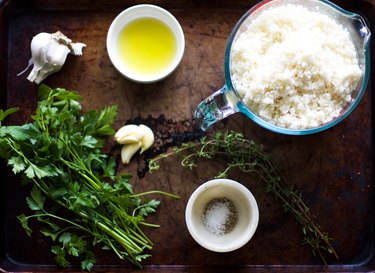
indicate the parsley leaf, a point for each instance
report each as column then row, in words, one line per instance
column 36, row 200
column 17, row 163
column 4, row 114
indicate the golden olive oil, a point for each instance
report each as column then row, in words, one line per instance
column 147, row 46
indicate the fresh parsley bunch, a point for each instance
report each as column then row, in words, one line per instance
column 76, row 195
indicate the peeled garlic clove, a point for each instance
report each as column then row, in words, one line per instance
column 129, row 140
column 148, row 138
column 129, row 134
column 128, row 150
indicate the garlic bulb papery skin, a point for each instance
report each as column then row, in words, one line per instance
column 49, row 53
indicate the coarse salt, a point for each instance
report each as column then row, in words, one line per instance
column 220, row 216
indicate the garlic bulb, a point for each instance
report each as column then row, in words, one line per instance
column 48, row 54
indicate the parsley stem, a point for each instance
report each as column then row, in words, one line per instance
column 139, row 235
column 155, row 192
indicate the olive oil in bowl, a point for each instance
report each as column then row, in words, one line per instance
column 147, row 46
column 145, row 43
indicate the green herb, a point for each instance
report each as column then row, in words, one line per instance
column 249, row 157
column 76, row 195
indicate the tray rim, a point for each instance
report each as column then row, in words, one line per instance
column 6, row 265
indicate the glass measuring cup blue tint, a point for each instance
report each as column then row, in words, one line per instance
column 226, row 101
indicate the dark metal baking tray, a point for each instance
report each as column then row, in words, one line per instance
column 334, row 169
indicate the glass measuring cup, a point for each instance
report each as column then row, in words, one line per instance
column 226, row 101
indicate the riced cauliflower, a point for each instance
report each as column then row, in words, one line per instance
column 295, row 68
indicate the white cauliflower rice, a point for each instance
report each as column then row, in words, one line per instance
column 295, row 68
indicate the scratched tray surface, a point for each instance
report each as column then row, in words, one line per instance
column 333, row 169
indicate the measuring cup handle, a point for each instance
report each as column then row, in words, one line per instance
column 216, row 107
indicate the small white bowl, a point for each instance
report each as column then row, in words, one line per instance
column 137, row 12
column 247, row 215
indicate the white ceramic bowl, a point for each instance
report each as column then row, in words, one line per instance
column 138, row 12
column 247, row 215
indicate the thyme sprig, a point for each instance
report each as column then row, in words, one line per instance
column 249, row 157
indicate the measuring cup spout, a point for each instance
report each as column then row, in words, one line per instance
column 216, row 107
